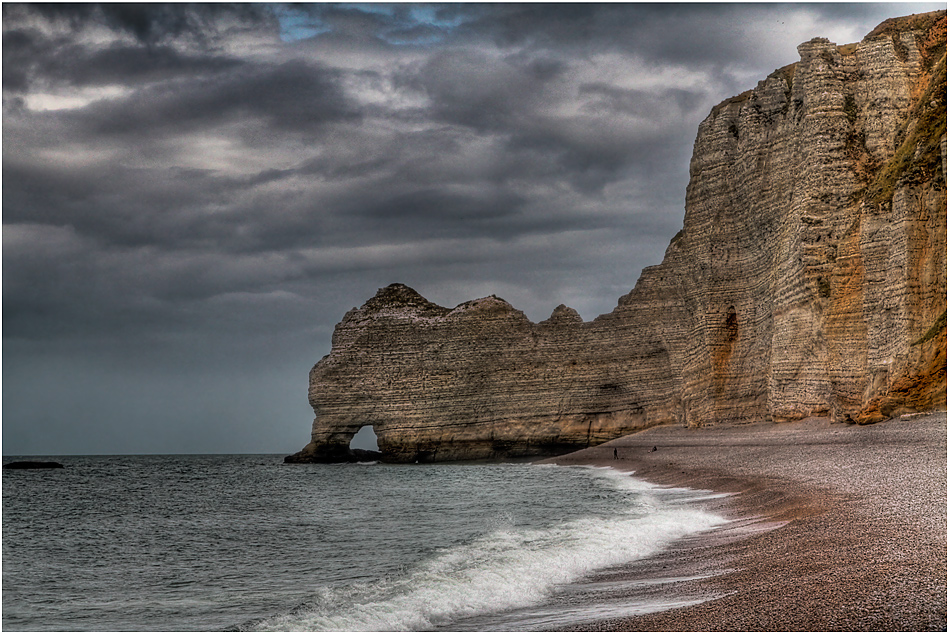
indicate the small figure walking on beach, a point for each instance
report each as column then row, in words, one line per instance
column 615, row 453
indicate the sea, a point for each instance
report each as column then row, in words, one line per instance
column 248, row 543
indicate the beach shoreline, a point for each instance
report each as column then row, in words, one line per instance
column 832, row 526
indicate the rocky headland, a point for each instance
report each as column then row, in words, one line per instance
column 809, row 279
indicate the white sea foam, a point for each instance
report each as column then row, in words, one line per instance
column 507, row 568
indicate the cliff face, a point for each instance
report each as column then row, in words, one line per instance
column 809, row 279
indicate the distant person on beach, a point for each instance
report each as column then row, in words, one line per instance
column 615, row 453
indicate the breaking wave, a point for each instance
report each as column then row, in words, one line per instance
column 507, row 567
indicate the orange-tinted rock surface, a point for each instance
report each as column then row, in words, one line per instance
column 809, row 279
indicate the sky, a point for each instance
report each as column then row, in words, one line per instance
column 194, row 195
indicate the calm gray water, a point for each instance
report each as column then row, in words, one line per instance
column 189, row 542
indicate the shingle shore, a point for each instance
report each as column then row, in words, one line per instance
column 856, row 519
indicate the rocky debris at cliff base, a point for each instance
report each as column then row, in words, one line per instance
column 916, row 415
column 33, row 465
column 365, row 456
column 355, row 455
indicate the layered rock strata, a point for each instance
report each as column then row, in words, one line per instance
column 809, row 278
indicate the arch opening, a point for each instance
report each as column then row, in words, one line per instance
column 365, row 439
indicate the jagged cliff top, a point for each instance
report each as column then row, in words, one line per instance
column 913, row 22
column 933, row 25
column 400, row 296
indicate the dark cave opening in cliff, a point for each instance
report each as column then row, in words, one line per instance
column 364, row 439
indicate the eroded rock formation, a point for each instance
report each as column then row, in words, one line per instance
column 809, row 279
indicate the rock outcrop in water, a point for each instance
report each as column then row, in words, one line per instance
column 809, row 279
column 33, row 465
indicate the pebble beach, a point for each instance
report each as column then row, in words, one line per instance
column 833, row 526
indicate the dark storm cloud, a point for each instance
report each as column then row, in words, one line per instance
column 639, row 102
column 140, row 207
column 19, row 47
column 31, row 49
column 432, row 205
column 659, row 32
column 149, row 23
column 294, row 95
column 130, row 65
column 210, row 187
column 28, row 54
column 479, row 91
column 700, row 34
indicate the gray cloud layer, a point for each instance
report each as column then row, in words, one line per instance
column 195, row 194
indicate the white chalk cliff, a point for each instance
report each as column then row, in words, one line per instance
column 810, row 278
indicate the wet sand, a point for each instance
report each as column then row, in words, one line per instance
column 833, row 527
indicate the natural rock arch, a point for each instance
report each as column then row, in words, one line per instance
column 335, row 446
column 365, row 436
